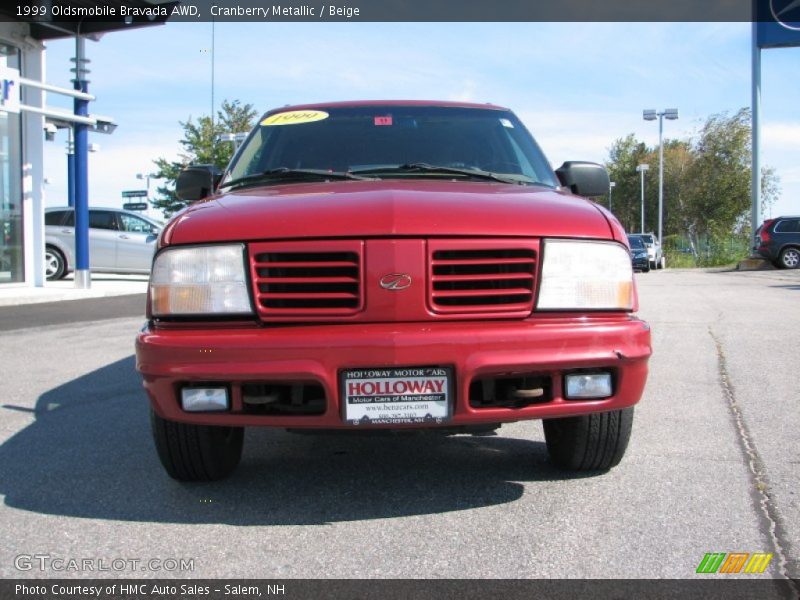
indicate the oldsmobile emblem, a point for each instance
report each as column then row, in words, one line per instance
column 395, row 281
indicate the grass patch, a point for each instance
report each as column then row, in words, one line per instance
column 711, row 252
column 680, row 260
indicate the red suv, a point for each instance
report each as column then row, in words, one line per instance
column 391, row 265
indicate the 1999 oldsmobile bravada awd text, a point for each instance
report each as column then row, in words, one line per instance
column 391, row 265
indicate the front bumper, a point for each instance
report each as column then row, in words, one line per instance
column 169, row 359
column 640, row 262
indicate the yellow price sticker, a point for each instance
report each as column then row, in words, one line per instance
column 295, row 117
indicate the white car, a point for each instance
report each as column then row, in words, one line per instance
column 120, row 241
column 654, row 251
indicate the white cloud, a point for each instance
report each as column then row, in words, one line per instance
column 781, row 136
column 791, row 176
column 588, row 135
column 111, row 170
column 466, row 92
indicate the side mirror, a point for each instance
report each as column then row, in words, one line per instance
column 584, row 178
column 196, row 182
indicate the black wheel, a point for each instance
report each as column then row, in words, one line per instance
column 790, row 258
column 196, row 452
column 646, row 270
column 593, row 442
column 55, row 266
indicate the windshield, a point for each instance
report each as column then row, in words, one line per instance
column 648, row 239
column 636, row 243
column 384, row 141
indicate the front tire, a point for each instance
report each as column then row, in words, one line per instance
column 196, row 452
column 594, row 442
column 790, row 258
column 55, row 266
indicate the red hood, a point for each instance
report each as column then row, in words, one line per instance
column 388, row 208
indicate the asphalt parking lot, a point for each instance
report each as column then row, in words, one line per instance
column 712, row 465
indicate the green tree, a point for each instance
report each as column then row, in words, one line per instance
column 678, row 160
column 719, row 177
column 201, row 145
column 624, row 155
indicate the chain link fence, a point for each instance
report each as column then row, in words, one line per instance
column 710, row 251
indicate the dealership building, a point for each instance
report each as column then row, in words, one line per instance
column 25, row 120
column 21, row 148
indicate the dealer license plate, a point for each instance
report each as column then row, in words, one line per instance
column 396, row 396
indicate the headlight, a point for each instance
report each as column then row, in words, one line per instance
column 585, row 275
column 199, row 280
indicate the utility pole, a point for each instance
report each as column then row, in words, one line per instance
column 643, row 168
column 755, row 182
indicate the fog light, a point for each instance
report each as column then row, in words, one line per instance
column 588, row 385
column 204, row 399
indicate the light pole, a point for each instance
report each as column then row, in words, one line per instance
column 650, row 115
column 145, row 176
column 611, row 187
column 643, row 168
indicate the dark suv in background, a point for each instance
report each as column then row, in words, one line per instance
column 778, row 240
column 639, row 254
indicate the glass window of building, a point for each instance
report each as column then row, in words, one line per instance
column 11, row 243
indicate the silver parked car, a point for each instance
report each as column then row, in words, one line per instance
column 120, row 241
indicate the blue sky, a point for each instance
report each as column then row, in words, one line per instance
column 577, row 87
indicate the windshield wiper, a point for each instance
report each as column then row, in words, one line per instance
column 282, row 173
column 421, row 167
